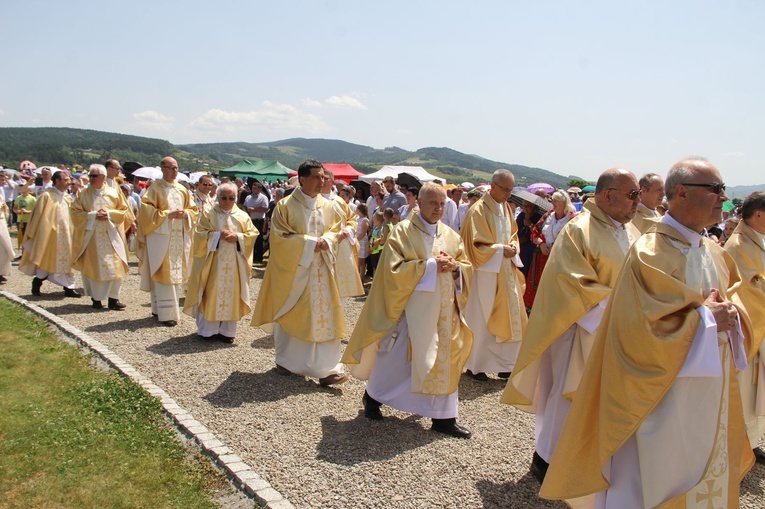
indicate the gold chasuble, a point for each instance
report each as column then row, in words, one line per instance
column 579, row 274
column 164, row 244
column 299, row 289
column 48, row 236
column 747, row 248
column 687, row 432
column 346, row 269
column 644, row 218
column 220, row 280
column 99, row 246
column 482, row 230
column 439, row 339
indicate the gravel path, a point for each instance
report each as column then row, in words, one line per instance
column 313, row 444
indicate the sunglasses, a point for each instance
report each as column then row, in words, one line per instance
column 226, row 198
column 94, row 175
column 632, row 195
column 715, row 187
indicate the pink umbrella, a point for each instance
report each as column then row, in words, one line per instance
column 27, row 165
column 540, row 185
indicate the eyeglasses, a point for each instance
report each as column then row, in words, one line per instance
column 632, row 195
column 715, row 187
column 226, row 198
column 205, row 184
column 505, row 189
column 94, row 175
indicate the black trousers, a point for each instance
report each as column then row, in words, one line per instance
column 257, row 254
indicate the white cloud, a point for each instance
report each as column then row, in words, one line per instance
column 154, row 120
column 272, row 116
column 311, row 103
column 345, row 101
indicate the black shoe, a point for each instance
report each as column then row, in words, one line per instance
column 97, row 304
column 504, row 375
column 371, row 408
column 155, row 315
column 169, row 323
column 116, row 305
column 69, row 292
column 539, row 467
column 224, row 338
column 3, row 280
column 450, row 427
column 36, row 285
column 759, row 455
column 481, row 377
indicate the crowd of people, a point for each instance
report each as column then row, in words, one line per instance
column 631, row 324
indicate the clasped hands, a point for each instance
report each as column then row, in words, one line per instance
column 445, row 263
column 509, row 250
column 228, row 236
column 724, row 312
column 321, row 245
column 177, row 214
column 102, row 215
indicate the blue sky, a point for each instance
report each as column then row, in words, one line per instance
column 573, row 87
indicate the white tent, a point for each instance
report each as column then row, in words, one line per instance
column 393, row 171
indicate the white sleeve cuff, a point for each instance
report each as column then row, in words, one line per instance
column 428, row 280
column 591, row 321
column 704, row 356
column 308, row 249
column 495, row 262
column 91, row 221
column 212, row 244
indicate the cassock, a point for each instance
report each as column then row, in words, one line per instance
column 99, row 247
column 218, row 293
column 299, row 301
column 747, row 248
column 165, row 246
column 657, row 419
column 495, row 311
column 644, row 218
column 346, row 268
column 203, row 201
column 6, row 247
column 48, row 240
column 573, row 292
column 410, row 340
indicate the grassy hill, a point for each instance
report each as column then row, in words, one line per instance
column 60, row 145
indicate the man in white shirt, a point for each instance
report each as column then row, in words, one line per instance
column 256, row 205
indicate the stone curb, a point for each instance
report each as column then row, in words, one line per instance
column 239, row 472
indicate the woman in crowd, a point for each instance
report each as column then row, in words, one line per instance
column 543, row 235
column 362, row 236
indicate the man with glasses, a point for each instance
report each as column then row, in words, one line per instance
column 573, row 292
column 202, row 196
column 652, row 189
column 100, row 216
column 168, row 215
column 657, row 418
column 299, row 301
column 113, row 170
column 495, row 311
column 47, row 239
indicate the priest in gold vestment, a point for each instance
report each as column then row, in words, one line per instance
column 218, row 294
column 167, row 217
column 6, row 247
column 100, row 215
column 652, row 189
column 299, row 301
column 573, row 292
column 495, row 311
column 47, row 239
column 747, row 247
column 410, row 341
column 201, row 194
column 657, row 418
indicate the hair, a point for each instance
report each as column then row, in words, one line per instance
column 646, row 181
column 59, row 175
column 278, row 192
column 345, row 190
column 388, row 213
column 606, row 180
column 564, row 197
column 328, row 174
column 500, row 174
column 362, row 207
column 205, row 177
column 680, row 173
column 429, row 187
column 227, row 186
column 378, row 216
column 753, row 203
column 110, row 163
column 304, row 170
column 97, row 168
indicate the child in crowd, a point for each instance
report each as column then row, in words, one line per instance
column 377, row 239
column 23, row 206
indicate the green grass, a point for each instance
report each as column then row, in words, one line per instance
column 73, row 436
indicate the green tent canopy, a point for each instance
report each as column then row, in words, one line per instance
column 728, row 206
column 260, row 169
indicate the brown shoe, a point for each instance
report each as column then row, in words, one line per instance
column 333, row 379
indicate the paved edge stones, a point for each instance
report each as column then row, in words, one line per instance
column 239, row 472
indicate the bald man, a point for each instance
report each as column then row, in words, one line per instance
column 573, row 292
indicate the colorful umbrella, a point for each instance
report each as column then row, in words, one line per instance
column 533, row 188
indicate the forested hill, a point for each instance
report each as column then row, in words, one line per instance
column 61, row 145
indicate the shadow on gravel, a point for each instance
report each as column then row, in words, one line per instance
column 751, row 482
column 240, row 388
column 72, row 307
column 263, row 343
column 520, row 494
column 472, row 389
column 188, row 344
column 351, row 442
column 131, row 324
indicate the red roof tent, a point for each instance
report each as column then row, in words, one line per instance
column 342, row 171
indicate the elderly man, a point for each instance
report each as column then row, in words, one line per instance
column 113, row 170
column 100, row 216
column 652, row 187
column 201, row 194
column 167, row 217
column 747, row 248
column 256, row 205
column 219, row 288
column 394, row 199
column 47, row 239
column 299, row 301
column 410, row 341
column 495, row 312
column 573, row 292
column 657, row 418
